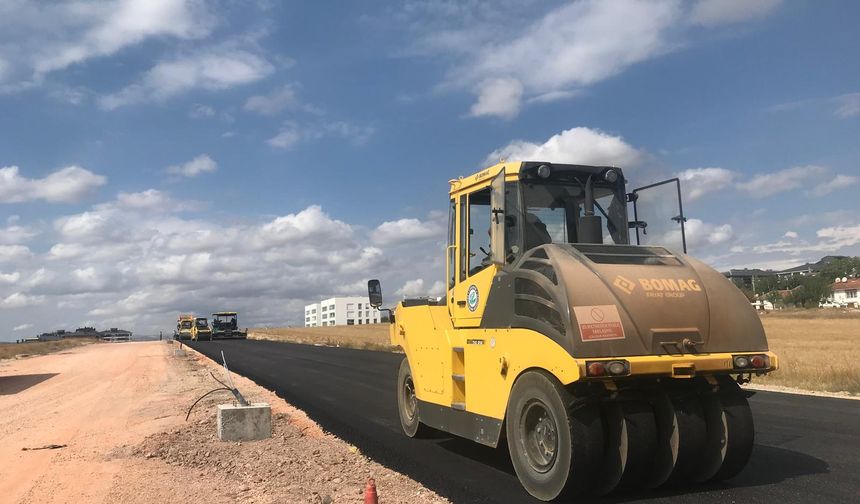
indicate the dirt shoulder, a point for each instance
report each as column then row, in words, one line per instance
column 363, row 337
column 120, row 412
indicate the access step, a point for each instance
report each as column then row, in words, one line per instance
column 459, row 406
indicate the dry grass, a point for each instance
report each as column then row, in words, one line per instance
column 9, row 351
column 365, row 337
column 818, row 349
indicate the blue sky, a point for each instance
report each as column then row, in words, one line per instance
column 172, row 155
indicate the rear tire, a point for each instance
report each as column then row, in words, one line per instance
column 407, row 404
column 641, row 434
column 740, row 433
column 554, row 444
column 692, row 437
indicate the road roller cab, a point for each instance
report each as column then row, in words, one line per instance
column 184, row 327
column 201, row 330
column 607, row 356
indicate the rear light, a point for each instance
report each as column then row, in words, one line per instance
column 751, row 361
column 595, row 369
column 758, row 361
column 607, row 368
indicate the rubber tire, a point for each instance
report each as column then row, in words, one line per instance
column 411, row 427
column 740, row 434
column 692, row 438
column 614, row 453
column 641, row 431
column 580, row 438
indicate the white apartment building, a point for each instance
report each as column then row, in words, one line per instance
column 341, row 311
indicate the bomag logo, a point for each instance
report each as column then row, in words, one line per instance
column 658, row 287
column 669, row 284
column 624, row 284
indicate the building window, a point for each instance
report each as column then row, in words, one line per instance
column 851, row 293
column 359, row 321
column 350, row 321
column 359, row 306
column 350, row 306
column 375, row 321
column 367, row 321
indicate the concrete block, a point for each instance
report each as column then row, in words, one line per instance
column 244, row 423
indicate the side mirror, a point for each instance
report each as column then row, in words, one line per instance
column 374, row 293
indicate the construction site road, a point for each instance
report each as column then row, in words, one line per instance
column 807, row 448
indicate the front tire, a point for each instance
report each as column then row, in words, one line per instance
column 553, row 442
column 407, row 404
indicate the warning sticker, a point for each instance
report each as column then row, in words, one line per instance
column 599, row 323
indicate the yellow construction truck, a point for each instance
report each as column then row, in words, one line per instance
column 606, row 356
column 184, row 327
column 201, row 329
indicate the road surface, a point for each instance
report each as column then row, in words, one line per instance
column 807, row 448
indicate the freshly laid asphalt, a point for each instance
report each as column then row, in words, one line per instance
column 807, row 448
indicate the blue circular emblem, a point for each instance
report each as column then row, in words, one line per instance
column 472, row 298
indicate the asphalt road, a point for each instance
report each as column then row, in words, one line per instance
column 807, row 448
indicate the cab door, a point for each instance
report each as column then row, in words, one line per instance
column 480, row 249
column 659, row 215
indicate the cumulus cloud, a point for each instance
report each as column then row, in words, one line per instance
column 67, row 185
column 696, row 182
column 10, row 278
column 498, row 97
column 37, row 38
column 719, row 12
column 834, row 184
column 14, row 253
column 200, row 164
column 15, row 233
column 791, row 235
column 576, row 145
column 211, row 69
column 408, row 230
column 414, row 288
column 768, row 184
column 19, row 300
column 200, row 111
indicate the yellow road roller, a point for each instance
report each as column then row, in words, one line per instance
column 582, row 335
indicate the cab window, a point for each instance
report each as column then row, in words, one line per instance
column 479, row 230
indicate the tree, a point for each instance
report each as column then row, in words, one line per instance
column 848, row 267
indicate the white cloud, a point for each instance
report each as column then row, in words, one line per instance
column 719, row 12
column 19, row 300
column 576, row 145
column 274, row 102
column 150, row 199
column 834, row 184
column 212, row 69
column 408, row 230
column 46, row 37
column 14, row 253
column 701, row 234
column 21, row 327
column 10, row 278
column 200, row 164
column 499, row 97
column 791, row 235
column 768, row 184
column 848, row 105
column 292, row 133
column 200, row 111
column 14, row 233
column 67, row 185
column 696, row 182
